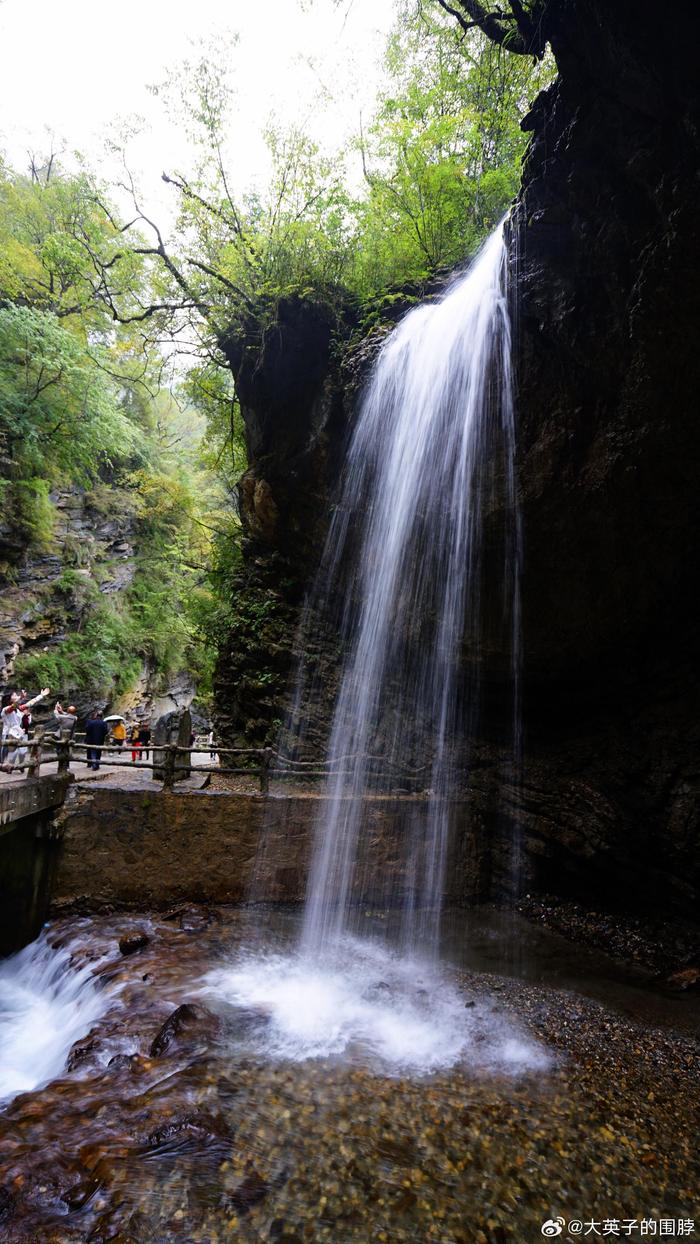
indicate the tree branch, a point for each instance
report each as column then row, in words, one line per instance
column 159, row 251
column 42, row 385
column 219, row 276
column 518, row 31
column 232, row 220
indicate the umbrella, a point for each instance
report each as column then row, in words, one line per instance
column 114, row 717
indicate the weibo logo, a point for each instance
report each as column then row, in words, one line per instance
column 553, row 1226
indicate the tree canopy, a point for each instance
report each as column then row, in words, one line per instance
column 112, row 372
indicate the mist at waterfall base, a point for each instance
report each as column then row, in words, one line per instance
column 433, row 442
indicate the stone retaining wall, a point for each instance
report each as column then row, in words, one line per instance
column 136, row 849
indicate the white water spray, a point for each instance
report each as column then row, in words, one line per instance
column 46, row 1004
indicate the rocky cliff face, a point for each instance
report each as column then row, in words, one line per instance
column 295, row 412
column 49, row 593
column 38, row 603
column 605, row 245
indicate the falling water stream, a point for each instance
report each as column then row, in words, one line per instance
column 433, row 445
column 438, row 405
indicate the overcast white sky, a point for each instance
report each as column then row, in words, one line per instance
column 78, row 66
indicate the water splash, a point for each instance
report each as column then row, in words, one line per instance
column 367, row 1004
column 46, row 1004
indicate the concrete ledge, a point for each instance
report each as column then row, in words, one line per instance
column 28, row 797
column 137, row 849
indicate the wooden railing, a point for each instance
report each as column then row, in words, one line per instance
column 169, row 760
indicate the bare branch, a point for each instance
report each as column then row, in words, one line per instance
column 219, row 276
column 456, row 14
column 42, row 384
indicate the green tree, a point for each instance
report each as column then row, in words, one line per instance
column 60, row 414
column 82, row 404
column 442, row 156
column 51, row 226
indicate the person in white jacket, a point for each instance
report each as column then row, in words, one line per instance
column 13, row 731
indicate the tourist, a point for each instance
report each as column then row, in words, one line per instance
column 13, row 732
column 66, row 720
column 145, row 739
column 96, row 731
column 21, row 752
column 119, row 732
column 135, row 744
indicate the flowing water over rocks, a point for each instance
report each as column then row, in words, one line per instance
column 45, row 1005
column 181, row 1116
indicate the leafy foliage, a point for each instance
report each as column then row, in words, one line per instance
column 59, row 411
column 88, row 396
column 442, row 155
column 80, row 406
column 440, row 161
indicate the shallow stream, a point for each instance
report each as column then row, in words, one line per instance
column 201, row 1094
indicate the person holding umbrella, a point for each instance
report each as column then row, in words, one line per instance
column 118, row 730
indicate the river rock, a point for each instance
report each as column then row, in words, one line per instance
column 84, row 1053
column 132, row 942
column 186, row 1024
column 79, row 1194
column 5, row 1205
column 193, row 1130
column 250, row 1192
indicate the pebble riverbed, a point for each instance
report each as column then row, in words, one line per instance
column 169, row 1125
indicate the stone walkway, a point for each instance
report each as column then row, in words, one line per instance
column 126, row 776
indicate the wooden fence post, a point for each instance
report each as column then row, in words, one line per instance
column 265, row 771
column 34, row 764
column 63, row 755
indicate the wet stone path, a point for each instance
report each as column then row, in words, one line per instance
column 169, row 1126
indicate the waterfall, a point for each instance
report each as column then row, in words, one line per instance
column 434, row 442
column 418, row 586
